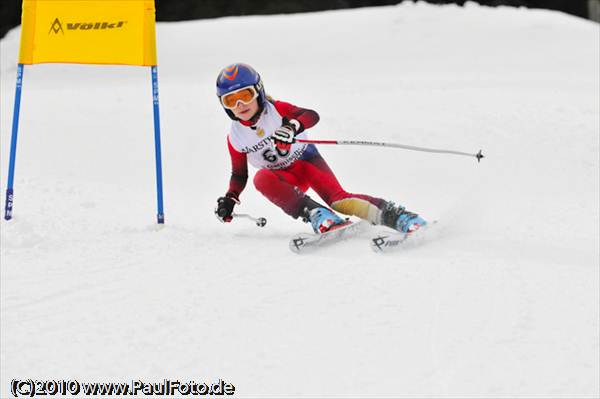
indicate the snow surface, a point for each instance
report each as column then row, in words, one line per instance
column 504, row 301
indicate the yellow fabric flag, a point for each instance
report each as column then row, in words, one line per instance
column 88, row 32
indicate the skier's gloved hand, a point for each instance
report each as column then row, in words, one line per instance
column 225, row 207
column 284, row 136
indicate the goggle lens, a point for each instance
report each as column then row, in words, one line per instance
column 245, row 95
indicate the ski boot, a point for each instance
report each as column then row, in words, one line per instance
column 323, row 219
column 398, row 218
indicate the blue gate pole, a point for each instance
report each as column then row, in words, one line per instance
column 8, row 206
column 159, row 190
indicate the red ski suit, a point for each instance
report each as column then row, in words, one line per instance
column 286, row 187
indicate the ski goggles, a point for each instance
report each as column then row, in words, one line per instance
column 246, row 95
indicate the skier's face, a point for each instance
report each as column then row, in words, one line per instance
column 245, row 112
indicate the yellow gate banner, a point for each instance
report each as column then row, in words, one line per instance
column 88, row 32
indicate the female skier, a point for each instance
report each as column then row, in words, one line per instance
column 264, row 133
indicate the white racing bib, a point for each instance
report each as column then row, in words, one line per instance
column 256, row 143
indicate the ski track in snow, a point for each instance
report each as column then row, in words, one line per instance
column 502, row 299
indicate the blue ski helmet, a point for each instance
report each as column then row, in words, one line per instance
column 235, row 77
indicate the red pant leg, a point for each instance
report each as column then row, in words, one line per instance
column 285, row 188
column 322, row 179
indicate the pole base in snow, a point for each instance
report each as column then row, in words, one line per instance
column 9, row 204
column 160, row 218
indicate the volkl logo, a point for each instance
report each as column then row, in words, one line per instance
column 95, row 25
column 58, row 27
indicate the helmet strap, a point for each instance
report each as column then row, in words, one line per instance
column 256, row 116
column 231, row 114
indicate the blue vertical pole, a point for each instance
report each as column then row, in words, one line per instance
column 159, row 191
column 8, row 206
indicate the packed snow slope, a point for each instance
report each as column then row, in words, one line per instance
column 501, row 300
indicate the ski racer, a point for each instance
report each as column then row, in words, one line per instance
column 264, row 133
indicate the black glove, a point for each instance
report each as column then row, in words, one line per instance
column 284, row 136
column 225, row 207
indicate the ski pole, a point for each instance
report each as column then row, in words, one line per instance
column 478, row 155
column 260, row 222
